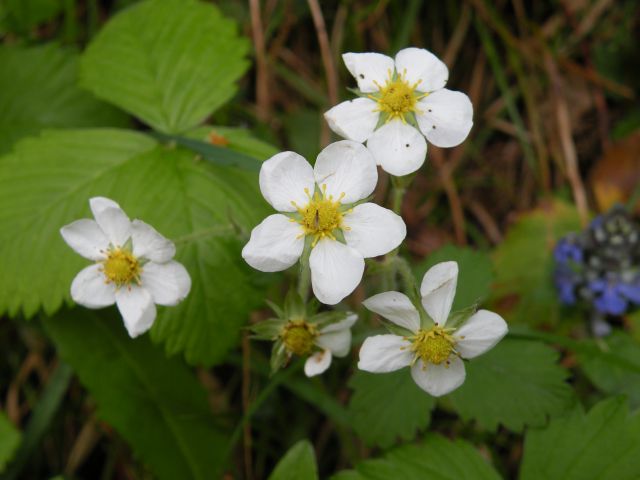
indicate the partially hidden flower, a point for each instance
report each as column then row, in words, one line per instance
column 321, row 213
column 434, row 349
column 133, row 265
column 315, row 338
column 401, row 102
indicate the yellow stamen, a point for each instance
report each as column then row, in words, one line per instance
column 298, row 337
column 121, row 267
column 397, row 97
column 321, row 216
column 433, row 346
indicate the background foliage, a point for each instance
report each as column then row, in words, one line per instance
column 169, row 106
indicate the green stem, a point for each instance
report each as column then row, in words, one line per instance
column 408, row 279
column 276, row 380
column 397, row 195
column 41, row 419
column 304, row 279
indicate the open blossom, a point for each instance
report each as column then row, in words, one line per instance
column 319, row 212
column 434, row 352
column 303, row 338
column 401, row 100
column 133, row 265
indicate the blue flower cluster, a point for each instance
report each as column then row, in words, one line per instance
column 601, row 265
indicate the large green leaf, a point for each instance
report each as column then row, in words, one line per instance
column 387, row 407
column 436, row 458
column 602, row 444
column 170, row 63
column 38, row 90
column 299, row 463
column 9, row 441
column 155, row 403
column 517, row 383
column 617, row 370
column 47, row 182
column 524, row 263
column 474, row 279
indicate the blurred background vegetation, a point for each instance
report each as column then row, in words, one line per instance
column 556, row 140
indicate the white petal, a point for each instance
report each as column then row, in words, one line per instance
column 384, row 353
column 438, row 290
column 422, row 66
column 341, row 325
column 354, row 119
column 446, row 117
column 438, row 380
column 115, row 224
column 481, row 332
column 284, row 178
column 339, row 342
column 369, row 69
column 98, row 204
column 274, row 245
column 395, row 307
column 398, row 148
column 86, row 238
column 346, row 167
column 90, row 288
column 317, row 363
column 137, row 309
column 336, row 270
column 150, row 244
column 374, row 230
column 169, row 283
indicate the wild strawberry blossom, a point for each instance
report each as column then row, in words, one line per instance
column 133, row 266
column 400, row 101
column 320, row 211
column 433, row 350
column 319, row 344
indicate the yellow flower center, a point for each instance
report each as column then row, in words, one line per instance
column 298, row 337
column 321, row 216
column 121, row 267
column 434, row 345
column 397, row 97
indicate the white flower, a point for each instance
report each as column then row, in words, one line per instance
column 318, row 206
column 133, row 265
column 303, row 338
column 407, row 92
column 434, row 353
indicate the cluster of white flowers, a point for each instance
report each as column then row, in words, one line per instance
column 325, row 222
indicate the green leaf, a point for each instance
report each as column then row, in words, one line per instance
column 9, row 441
column 516, row 383
column 617, row 372
column 386, row 407
column 299, row 463
column 46, row 184
column 155, row 403
column 170, row 63
column 524, row 263
column 436, row 458
column 38, row 90
column 601, row 444
column 475, row 273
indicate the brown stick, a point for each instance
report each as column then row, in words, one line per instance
column 327, row 60
column 263, row 100
column 566, row 142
